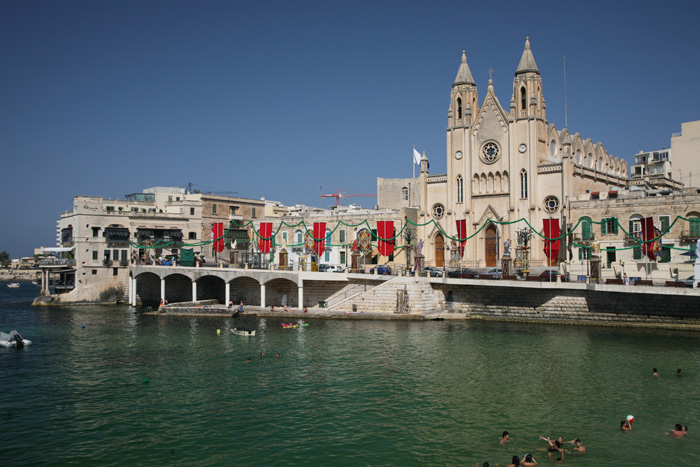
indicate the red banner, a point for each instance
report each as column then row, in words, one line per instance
column 462, row 233
column 648, row 234
column 319, row 237
column 551, row 230
column 265, row 234
column 385, row 229
column 217, row 231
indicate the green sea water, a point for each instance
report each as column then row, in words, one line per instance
column 135, row 390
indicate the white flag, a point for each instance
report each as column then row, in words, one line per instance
column 416, row 156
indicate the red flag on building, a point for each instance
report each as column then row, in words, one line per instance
column 462, row 233
column 319, row 237
column 648, row 234
column 551, row 230
column 218, row 233
column 265, row 234
column 385, row 229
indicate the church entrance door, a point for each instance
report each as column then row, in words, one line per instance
column 439, row 251
column 491, row 246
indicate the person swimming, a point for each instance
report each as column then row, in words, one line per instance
column 504, row 438
column 579, row 447
column 678, row 432
column 515, row 462
column 625, row 425
column 678, row 373
column 656, row 372
column 528, row 461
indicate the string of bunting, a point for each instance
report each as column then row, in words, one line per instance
column 256, row 233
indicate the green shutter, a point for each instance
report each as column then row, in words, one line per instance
column 665, row 255
column 585, row 229
column 614, row 220
column 637, row 253
column 603, row 226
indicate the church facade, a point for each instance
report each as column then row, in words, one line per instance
column 506, row 164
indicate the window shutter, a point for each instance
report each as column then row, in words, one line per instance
column 603, row 227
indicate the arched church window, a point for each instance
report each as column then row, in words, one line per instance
column 459, row 107
column 523, row 184
column 523, row 98
column 460, row 189
column 404, row 193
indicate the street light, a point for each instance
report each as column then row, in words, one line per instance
column 446, row 249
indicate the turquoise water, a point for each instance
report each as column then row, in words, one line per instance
column 135, row 390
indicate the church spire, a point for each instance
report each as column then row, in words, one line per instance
column 527, row 61
column 464, row 75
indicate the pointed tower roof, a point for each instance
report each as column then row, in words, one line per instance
column 464, row 75
column 527, row 61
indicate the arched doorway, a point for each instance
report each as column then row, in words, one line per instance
column 491, row 245
column 439, row 251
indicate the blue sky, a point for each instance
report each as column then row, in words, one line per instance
column 288, row 100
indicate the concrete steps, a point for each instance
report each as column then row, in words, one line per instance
column 400, row 294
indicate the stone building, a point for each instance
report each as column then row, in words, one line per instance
column 341, row 232
column 505, row 164
column 101, row 231
column 686, row 154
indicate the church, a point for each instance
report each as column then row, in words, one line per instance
column 503, row 164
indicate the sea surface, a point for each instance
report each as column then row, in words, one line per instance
column 108, row 386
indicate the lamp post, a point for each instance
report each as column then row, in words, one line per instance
column 447, row 250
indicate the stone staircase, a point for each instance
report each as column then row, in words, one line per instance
column 401, row 295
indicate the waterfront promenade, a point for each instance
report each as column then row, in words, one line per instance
column 201, row 291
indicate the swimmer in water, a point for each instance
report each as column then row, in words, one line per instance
column 679, row 432
column 656, row 373
column 625, row 425
column 528, row 461
column 579, row 447
column 505, row 438
column 485, row 464
column 556, row 448
column 678, row 373
column 278, row 355
column 262, row 354
column 249, row 360
column 559, row 438
column 515, row 462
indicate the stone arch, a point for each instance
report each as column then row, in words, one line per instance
column 506, row 186
column 148, row 288
column 439, row 242
column 476, row 184
column 490, row 187
column 498, row 183
column 482, row 186
column 211, row 287
column 246, row 289
column 276, row 289
column 178, row 288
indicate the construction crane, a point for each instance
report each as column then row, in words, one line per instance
column 338, row 195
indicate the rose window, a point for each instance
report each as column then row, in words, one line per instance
column 490, row 152
column 551, row 204
column 438, row 211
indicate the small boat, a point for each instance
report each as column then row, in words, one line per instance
column 13, row 285
column 13, row 339
column 243, row 331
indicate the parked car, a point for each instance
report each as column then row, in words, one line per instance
column 495, row 273
column 462, row 273
column 334, row 268
column 550, row 275
column 689, row 281
column 381, row 269
column 432, row 271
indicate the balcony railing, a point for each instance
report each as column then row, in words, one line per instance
column 693, row 234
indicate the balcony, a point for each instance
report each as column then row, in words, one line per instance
column 107, row 263
column 117, row 235
column 584, row 238
column 691, row 235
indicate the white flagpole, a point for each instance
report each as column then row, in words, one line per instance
column 413, row 163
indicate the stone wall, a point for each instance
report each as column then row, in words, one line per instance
column 581, row 306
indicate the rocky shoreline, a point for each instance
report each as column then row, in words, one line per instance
column 19, row 275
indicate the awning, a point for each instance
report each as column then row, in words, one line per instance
column 551, row 230
column 56, row 249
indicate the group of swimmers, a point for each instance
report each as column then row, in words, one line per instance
column 656, row 373
column 556, row 447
